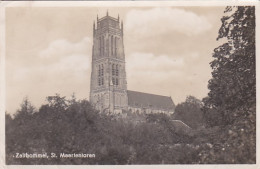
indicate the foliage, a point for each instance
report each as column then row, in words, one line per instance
column 190, row 112
column 79, row 128
column 233, row 83
column 231, row 101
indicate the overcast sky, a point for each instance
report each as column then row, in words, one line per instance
column 167, row 50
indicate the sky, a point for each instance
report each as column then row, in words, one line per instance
column 167, row 50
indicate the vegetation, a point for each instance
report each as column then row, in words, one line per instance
column 73, row 126
column 233, row 83
column 190, row 112
column 231, row 102
column 223, row 125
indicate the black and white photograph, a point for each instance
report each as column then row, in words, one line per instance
column 130, row 85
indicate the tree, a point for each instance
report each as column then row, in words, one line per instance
column 26, row 108
column 190, row 112
column 233, row 83
column 58, row 103
column 231, row 101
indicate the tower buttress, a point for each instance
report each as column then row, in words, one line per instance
column 94, row 27
column 122, row 27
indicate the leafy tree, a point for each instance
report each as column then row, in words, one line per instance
column 190, row 112
column 57, row 102
column 26, row 108
column 233, row 83
column 231, row 101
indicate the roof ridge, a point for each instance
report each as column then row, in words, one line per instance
column 148, row 93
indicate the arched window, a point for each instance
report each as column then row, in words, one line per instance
column 117, row 70
column 99, row 70
column 112, row 43
column 102, row 70
column 115, row 46
column 103, row 46
column 113, row 70
column 113, row 80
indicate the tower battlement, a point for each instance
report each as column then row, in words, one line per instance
column 107, row 23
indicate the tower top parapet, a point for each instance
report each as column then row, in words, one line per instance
column 108, row 21
column 107, row 16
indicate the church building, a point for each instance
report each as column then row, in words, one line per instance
column 108, row 86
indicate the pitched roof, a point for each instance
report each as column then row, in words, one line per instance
column 146, row 100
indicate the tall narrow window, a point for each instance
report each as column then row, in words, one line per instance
column 103, row 46
column 99, row 71
column 115, row 46
column 102, row 70
column 102, row 81
column 116, row 70
column 113, row 70
column 116, row 81
column 112, row 42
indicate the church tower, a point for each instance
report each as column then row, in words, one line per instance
column 108, row 88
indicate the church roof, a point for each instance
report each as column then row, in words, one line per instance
column 152, row 101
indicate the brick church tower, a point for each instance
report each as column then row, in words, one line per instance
column 108, row 88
